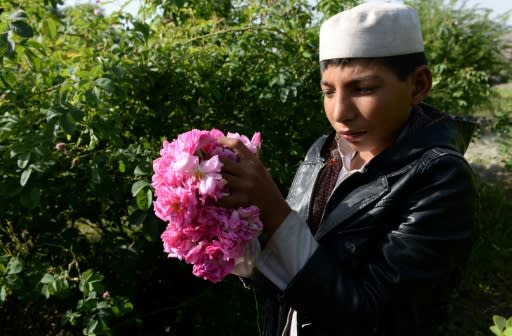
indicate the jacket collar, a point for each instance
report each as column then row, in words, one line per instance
column 426, row 128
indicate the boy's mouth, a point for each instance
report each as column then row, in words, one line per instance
column 351, row 136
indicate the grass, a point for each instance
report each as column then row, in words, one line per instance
column 486, row 289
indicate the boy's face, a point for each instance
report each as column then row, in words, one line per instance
column 366, row 104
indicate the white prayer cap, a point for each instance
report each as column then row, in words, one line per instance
column 373, row 29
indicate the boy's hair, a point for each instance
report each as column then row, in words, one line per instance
column 401, row 65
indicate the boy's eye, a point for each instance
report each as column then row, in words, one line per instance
column 365, row 90
column 328, row 93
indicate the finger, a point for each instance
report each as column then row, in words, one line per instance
column 233, row 183
column 236, row 145
column 228, row 165
column 231, row 169
column 234, row 200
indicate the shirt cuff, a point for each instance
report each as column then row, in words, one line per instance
column 244, row 265
column 287, row 251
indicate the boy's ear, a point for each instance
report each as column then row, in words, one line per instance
column 422, row 83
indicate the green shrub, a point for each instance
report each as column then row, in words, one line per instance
column 85, row 102
column 466, row 50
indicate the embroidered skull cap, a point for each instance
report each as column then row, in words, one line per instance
column 372, row 29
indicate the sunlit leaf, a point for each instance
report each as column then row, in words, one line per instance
column 51, row 28
column 140, row 171
column 104, row 83
column 8, row 77
column 121, row 166
column 144, row 199
column 23, row 160
column 3, row 293
column 25, row 175
column 138, row 186
column 14, row 266
column 496, row 331
column 34, row 60
column 47, row 278
column 499, row 321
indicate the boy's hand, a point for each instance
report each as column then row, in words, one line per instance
column 250, row 183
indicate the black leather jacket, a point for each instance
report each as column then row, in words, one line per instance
column 393, row 240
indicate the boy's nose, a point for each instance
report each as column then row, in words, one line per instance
column 343, row 109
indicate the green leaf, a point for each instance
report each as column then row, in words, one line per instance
column 84, row 279
column 91, row 326
column 8, row 77
column 21, row 28
column 93, row 141
column 140, row 171
column 25, row 175
column 34, row 60
column 138, row 186
column 499, row 321
column 72, row 317
column 23, row 160
column 51, row 28
column 35, row 45
column 102, row 305
column 496, row 330
column 6, row 45
column 14, row 266
column 104, row 83
column 121, row 306
column 142, row 27
column 45, row 291
column 3, row 293
column 121, row 166
column 47, row 278
column 508, row 332
column 144, row 199
column 90, row 284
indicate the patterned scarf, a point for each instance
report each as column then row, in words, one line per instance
column 325, row 184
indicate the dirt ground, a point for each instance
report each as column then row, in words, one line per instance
column 486, row 156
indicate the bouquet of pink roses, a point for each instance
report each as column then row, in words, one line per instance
column 188, row 184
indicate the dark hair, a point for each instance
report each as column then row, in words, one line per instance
column 402, row 65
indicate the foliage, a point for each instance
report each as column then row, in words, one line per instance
column 85, row 102
column 466, row 50
column 502, row 113
column 502, row 326
column 329, row 8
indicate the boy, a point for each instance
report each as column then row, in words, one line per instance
column 378, row 223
